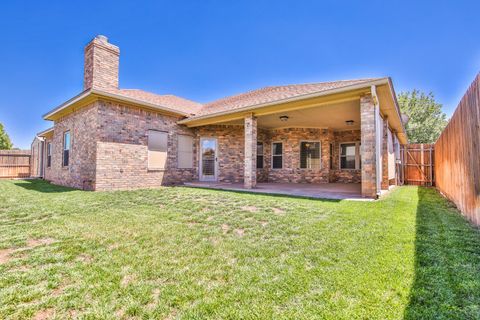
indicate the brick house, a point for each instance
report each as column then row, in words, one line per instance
column 107, row 138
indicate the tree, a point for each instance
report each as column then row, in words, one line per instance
column 5, row 142
column 426, row 118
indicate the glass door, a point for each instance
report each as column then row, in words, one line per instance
column 208, row 159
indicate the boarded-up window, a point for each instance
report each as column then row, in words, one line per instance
column 157, row 149
column 310, row 155
column 185, row 151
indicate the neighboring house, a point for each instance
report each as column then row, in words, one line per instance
column 108, row 138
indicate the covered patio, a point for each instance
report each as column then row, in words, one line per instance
column 335, row 144
column 337, row 191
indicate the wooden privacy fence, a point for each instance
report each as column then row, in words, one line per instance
column 457, row 154
column 417, row 164
column 14, row 163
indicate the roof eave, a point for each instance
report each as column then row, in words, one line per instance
column 44, row 132
column 366, row 84
column 397, row 107
column 102, row 94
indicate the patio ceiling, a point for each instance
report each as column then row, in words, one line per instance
column 332, row 116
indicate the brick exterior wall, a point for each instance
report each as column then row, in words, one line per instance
column 291, row 171
column 344, row 175
column 230, row 139
column 122, row 151
column 231, row 148
column 101, row 64
column 109, row 151
column 80, row 172
column 368, row 149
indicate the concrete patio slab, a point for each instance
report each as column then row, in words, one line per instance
column 338, row 191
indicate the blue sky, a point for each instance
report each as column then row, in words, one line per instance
column 204, row 50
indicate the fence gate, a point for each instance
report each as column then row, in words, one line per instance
column 14, row 163
column 417, row 162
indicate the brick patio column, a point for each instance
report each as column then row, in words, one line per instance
column 367, row 149
column 250, row 170
column 385, row 183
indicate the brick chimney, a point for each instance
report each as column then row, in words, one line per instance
column 101, row 64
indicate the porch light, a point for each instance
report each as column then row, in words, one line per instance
column 283, row 118
column 349, row 122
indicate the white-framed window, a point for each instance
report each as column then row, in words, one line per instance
column 350, row 156
column 157, row 149
column 49, row 154
column 259, row 155
column 66, row 149
column 310, row 155
column 277, row 155
column 185, row 151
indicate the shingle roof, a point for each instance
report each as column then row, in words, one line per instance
column 169, row 101
column 272, row 94
column 192, row 109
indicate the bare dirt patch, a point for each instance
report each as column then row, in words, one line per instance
column 58, row 290
column 23, row 268
column 85, row 258
column 127, row 279
column 155, row 297
column 250, row 208
column 44, row 314
column 32, row 243
column 225, row 228
column 278, row 211
column 172, row 315
column 112, row 247
column 239, row 232
column 5, row 255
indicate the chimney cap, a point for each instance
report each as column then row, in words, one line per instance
column 102, row 38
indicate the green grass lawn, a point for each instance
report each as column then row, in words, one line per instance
column 182, row 253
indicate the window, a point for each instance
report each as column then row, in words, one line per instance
column 185, row 151
column 277, row 155
column 66, row 148
column 310, row 155
column 49, row 154
column 349, row 156
column 331, row 156
column 157, row 149
column 259, row 155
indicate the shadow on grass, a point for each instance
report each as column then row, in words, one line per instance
column 447, row 262
column 39, row 185
column 275, row 195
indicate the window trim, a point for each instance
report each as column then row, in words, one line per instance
column 153, row 169
column 357, row 155
column 69, row 148
column 300, row 154
column 262, row 155
column 282, row 155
